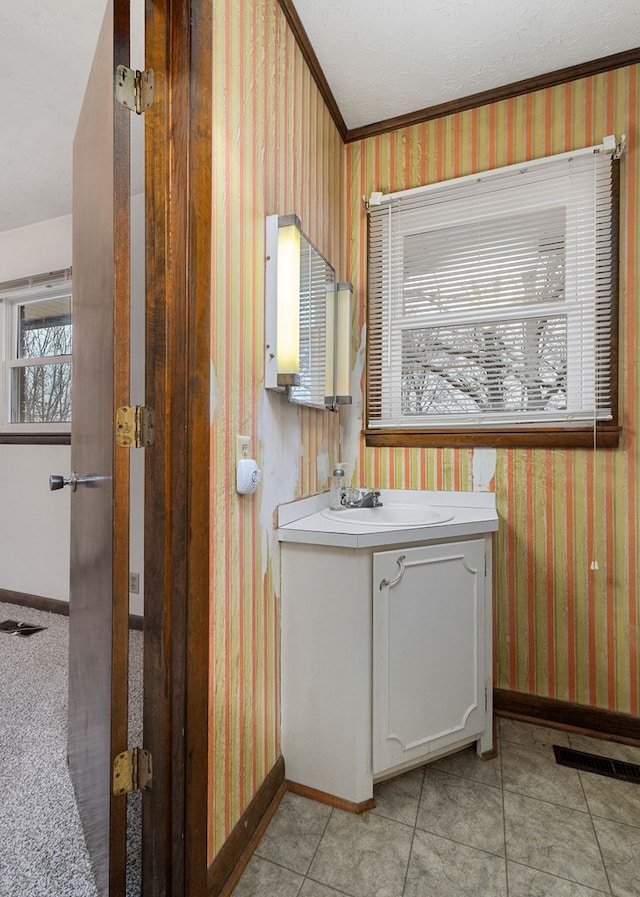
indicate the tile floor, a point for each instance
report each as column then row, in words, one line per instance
column 516, row 826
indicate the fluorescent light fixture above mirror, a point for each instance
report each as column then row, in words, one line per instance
column 338, row 340
column 307, row 320
column 282, row 311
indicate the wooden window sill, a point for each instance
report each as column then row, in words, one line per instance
column 35, row 438
column 516, row 437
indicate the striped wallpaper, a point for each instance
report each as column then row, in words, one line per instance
column 562, row 630
column 275, row 150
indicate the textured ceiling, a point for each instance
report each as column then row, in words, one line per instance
column 46, row 50
column 382, row 58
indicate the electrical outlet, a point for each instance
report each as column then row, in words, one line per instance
column 243, row 447
column 134, row 583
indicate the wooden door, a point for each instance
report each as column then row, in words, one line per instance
column 99, row 594
column 178, row 266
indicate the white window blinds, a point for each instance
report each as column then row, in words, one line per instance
column 490, row 299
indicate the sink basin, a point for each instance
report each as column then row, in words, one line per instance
column 397, row 516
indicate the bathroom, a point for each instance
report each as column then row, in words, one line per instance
column 562, row 630
column 565, row 576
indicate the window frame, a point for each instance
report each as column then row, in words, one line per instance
column 13, row 295
column 586, row 434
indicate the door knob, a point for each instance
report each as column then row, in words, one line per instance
column 58, row 482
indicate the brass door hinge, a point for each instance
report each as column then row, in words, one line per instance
column 135, row 426
column 132, row 771
column 134, row 89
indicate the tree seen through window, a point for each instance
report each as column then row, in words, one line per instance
column 41, row 387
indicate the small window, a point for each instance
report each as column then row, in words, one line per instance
column 37, row 320
column 491, row 308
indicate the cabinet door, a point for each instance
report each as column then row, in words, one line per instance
column 428, row 650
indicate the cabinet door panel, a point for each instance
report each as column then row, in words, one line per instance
column 428, row 650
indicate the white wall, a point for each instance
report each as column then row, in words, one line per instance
column 35, row 249
column 34, row 522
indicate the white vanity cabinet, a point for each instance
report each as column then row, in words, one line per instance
column 429, row 686
column 386, row 659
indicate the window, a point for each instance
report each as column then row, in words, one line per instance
column 37, row 346
column 491, row 308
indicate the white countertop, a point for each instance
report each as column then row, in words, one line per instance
column 474, row 513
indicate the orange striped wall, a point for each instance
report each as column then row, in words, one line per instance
column 562, row 630
column 275, row 150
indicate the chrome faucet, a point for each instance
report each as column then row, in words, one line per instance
column 368, row 498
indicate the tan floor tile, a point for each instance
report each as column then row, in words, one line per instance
column 398, row 798
column 462, row 810
column 294, row 832
column 526, row 882
column 264, row 879
column 603, row 748
column 620, row 845
column 553, row 839
column 612, row 798
column 363, row 855
column 442, row 868
column 533, row 771
column 528, row 734
column 313, row 889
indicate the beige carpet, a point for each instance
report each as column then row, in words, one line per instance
column 43, row 852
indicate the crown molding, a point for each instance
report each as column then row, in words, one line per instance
column 506, row 92
column 463, row 104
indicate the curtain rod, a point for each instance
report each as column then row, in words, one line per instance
column 608, row 145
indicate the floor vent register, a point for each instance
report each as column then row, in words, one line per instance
column 603, row 766
column 13, row 627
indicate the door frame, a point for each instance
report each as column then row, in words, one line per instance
column 178, row 155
